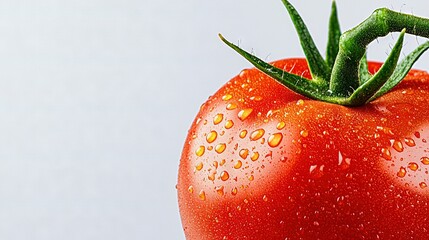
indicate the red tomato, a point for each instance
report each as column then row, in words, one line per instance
column 262, row 162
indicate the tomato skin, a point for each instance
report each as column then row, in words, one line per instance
column 316, row 171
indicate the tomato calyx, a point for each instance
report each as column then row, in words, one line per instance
column 342, row 77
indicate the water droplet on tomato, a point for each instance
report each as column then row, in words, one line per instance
column 202, row 195
column 191, row 189
column 386, row 154
column 243, row 114
column 254, row 156
column 275, row 139
column 316, row 171
column 281, row 125
column 222, row 162
column 244, row 153
column 256, row 98
column 238, row 164
column 227, row 97
column 212, row 176
column 218, row 118
column 220, row 148
column 397, row 145
column 220, row 191
column 304, row 133
column 265, row 198
column 224, row 176
column 199, row 166
column 251, row 178
column 243, row 133
column 413, row 166
column 423, row 185
column 300, row 102
column 257, row 134
column 200, row 151
column 410, row 142
column 402, row 172
column 231, row 106
column 234, row 191
column 211, row 137
column 229, row 124
column 425, row 160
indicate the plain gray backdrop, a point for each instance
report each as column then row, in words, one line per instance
column 96, row 97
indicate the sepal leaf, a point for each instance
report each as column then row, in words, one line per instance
column 334, row 34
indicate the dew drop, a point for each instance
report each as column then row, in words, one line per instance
column 191, row 189
column 413, row 166
column 410, row 142
column 257, row 134
column 220, row 190
column 251, row 178
column 254, row 156
column 424, row 160
column 265, row 198
column 218, row 119
column 224, row 176
column 211, row 137
column 212, row 176
column 275, row 139
column 227, row 97
column 244, row 153
column 423, row 185
column 200, row 151
column 281, row 125
column 202, row 195
column 397, row 145
column 199, row 166
column 243, row 134
column 256, row 98
column 238, row 164
column 222, row 162
column 220, row 148
column 229, row 124
column 234, row 191
column 300, row 102
column 303, row 133
column 231, row 106
column 386, row 154
column 402, row 172
column 243, row 114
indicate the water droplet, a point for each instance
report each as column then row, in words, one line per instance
column 413, row 166
column 386, row 154
column 212, row 176
column 410, row 142
column 210, row 148
column 344, row 163
column 191, row 189
column 423, row 185
column 397, row 145
column 243, row 133
column 246, row 201
column 229, row 124
column 219, row 190
column 238, row 164
column 224, row 176
column 215, row 164
column 218, row 118
column 231, row 106
column 227, row 97
column 200, row 151
column 243, row 114
column 417, row 134
column 222, row 162
column 275, row 139
column 316, row 171
column 199, row 166
column 257, row 134
column 281, row 125
column 254, row 156
column 211, row 137
column 251, row 178
column 256, row 98
column 265, row 198
column 234, row 191
column 244, row 153
column 425, row 160
column 402, row 172
column 303, row 133
column 202, row 195
column 220, row 148
column 300, row 102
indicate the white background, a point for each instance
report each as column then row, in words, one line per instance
column 96, row 97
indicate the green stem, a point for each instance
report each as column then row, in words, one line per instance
column 353, row 43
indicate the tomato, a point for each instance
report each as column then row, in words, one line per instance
column 341, row 152
column 275, row 165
